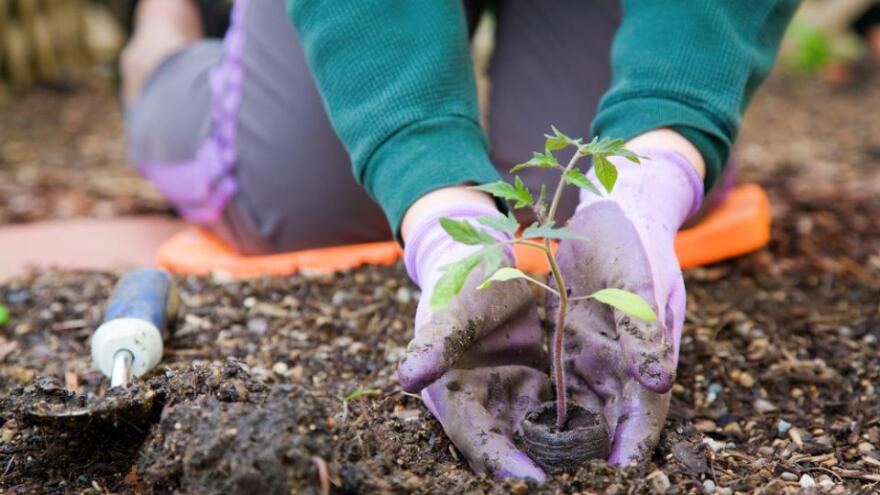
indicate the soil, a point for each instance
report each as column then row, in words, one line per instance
column 267, row 381
column 62, row 155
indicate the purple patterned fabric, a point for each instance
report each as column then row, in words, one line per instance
column 201, row 188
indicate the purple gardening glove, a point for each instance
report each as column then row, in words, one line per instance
column 615, row 363
column 477, row 362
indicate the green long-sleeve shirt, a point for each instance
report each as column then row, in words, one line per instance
column 397, row 81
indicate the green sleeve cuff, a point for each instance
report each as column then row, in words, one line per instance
column 628, row 118
column 425, row 156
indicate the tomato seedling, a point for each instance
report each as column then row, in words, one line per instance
column 539, row 236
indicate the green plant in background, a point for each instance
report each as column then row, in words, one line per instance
column 539, row 236
column 810, row 49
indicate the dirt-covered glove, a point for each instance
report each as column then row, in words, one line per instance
column 476, row 361
column 616, row 363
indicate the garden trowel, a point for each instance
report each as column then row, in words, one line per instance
column 128, row 343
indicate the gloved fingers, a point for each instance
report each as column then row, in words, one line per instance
column 650, row 348
column 451, row 332
column 647, row 352
column 637, row 420
column 496, row 454
column 519, row 341
column 482, row 409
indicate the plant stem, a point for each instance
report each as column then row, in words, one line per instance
column 557, row 195
column 559, row 332
column 558, row 337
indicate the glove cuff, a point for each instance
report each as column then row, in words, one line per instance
column 429, row 247
column 665, row 183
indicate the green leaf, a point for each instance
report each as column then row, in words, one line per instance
column 554, row 143
column 524, row 196
column 465, row 233
column 609, row 147
column 360, row 392
column 629, row 303
column 606, row 172
column 449, row 285
column 629, row 155
column 491, row 258
column 577, row 178
column 559, row 140
column 507, row 224
column 4, row 315
column 605, row 147
column 498, row 189
column 503, row 275
column 547, row 231
column 503, row 190
column 455, row 274
column 539, row 160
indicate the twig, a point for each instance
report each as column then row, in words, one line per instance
column 323, row 474
column 9, row 465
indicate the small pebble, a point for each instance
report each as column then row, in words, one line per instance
column 222, row 277
column 339, row 297
column 659, row 482
column 826, row 482
column 807, row 482
column 715, row 388
column 17, row 297
column 788, row 476
column 6, row 435
column 403, row 295
column 519, row 488
column 708, row 486
column 733, row 429
column 705, row 425
column 764, row 406
column 393, row 354
column 865, row 447
column 280, row 368
column 746, row 380
column 298, row 371
column 712, row 444
column 782, row 427
column 257, row 326
column 725, row 491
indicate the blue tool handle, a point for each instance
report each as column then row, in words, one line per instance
column 147, row 294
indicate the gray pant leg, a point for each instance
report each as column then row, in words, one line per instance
column 295, row 185
column 172, row 115
column 550, row 67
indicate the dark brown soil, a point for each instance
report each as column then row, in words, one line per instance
column 62, row 155
column 777, row 383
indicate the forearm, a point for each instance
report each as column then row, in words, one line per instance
column 690, row 66
column 398, row 85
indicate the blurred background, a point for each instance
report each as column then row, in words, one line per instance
column 62, row 144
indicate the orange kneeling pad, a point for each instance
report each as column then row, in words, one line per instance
column 739, row 225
